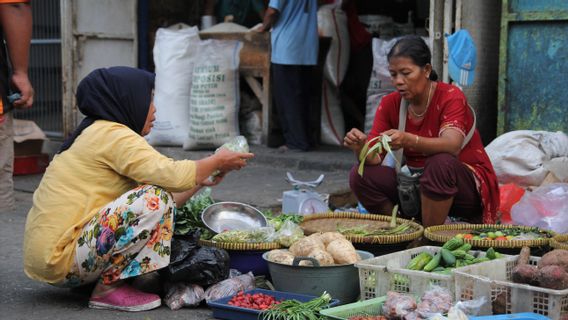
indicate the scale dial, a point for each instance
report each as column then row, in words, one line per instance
column 312, row 205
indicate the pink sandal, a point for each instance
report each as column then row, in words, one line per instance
column 126, row 298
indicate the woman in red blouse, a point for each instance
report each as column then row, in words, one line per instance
column 459, row 182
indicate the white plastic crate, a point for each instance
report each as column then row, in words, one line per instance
column 492, row 279
column 386, row 273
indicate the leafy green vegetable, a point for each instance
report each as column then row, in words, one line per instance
column 377, row 148
column 188, row 217
column 277, row 220
column 296, row 310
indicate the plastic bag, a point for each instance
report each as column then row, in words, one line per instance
column 546, row 207
column 435, row 300
column 236, row 144
column 288, row 233
column 230, row 287
column 179, row 295
column 204, row 266
column 183, row 245
column 509, row 194
column 461, row 310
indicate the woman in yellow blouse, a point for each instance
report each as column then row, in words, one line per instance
column 104, row 209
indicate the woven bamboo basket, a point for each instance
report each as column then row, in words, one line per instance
column 444, row 233
column 244, row 246
column 325, row 222
column 559, row 241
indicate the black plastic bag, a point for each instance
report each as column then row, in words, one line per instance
column 204, row 266
column 184, row 245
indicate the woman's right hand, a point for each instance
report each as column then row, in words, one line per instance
column 229, row 160
column 355, row 140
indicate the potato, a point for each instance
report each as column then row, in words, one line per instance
column 324, row 258
column 557, row 257
column 328, row 237
column 342, row 251
column 304, row 246
column 280, row 256
column 553, row 277
column 526, row 274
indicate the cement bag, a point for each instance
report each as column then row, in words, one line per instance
column 373, row 102
column 214, row 103
column 380, row 75
column 380, row 83
column 523, row 156
column 332, row 22
column 175, row 50
column 332, row 123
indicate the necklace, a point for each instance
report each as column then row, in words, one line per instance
column 427, row 105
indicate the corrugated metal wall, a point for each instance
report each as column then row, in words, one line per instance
column 45, row 68
column 482, row 19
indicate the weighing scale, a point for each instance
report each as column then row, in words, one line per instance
column 303, row 200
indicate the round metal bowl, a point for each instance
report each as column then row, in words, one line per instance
column 227, row 216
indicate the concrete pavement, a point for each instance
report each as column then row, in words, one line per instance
column 260, row 184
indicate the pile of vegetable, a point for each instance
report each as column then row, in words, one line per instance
column 327, row 248
column 365, row 231
column 506, row 234
column 188, row 217
column 259, row 235
column 257, row 301
column 453, row 254
column 551, row 271
column 283, row 229
column 296, row 310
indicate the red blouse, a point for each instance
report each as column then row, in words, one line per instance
column 448, row 109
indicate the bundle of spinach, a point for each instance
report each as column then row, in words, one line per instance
column 188, row 217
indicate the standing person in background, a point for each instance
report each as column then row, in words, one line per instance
column 294, row 54
column 356, row 80
column 16, row 29
column 247, row 13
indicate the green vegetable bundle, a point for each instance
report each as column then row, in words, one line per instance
column 377, row 148
column 188, row 217
column 296, row 310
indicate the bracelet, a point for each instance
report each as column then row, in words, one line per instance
column 416, row 142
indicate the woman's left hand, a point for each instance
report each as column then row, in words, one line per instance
column 399, row 139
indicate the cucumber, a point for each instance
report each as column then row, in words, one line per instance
column 418, row 262
column 433, row 263
column 490, row 253
column 453, row 244
column 448, row 257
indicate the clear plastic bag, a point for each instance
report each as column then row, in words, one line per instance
column 180, row 294
column 230, row 287
column 236, row 144
column 546, row 208
column 288, row 233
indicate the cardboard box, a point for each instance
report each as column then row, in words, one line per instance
column 28, row 138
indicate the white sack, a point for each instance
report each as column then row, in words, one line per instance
column 174, row 53
column 214, row 103
column 524, row 157
column 332, row 22
column 332, row 123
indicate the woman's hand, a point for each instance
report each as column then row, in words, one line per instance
column 399, row 139
column 213, row 181
column 229, row 160
column 355, row 140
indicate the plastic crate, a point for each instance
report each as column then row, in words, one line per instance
column 386, row 273
column 492, row 279
column 222, row 310
column 371, row 307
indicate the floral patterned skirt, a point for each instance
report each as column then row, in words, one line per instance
column 128, row 237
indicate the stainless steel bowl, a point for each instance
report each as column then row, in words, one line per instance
column 226, row 216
